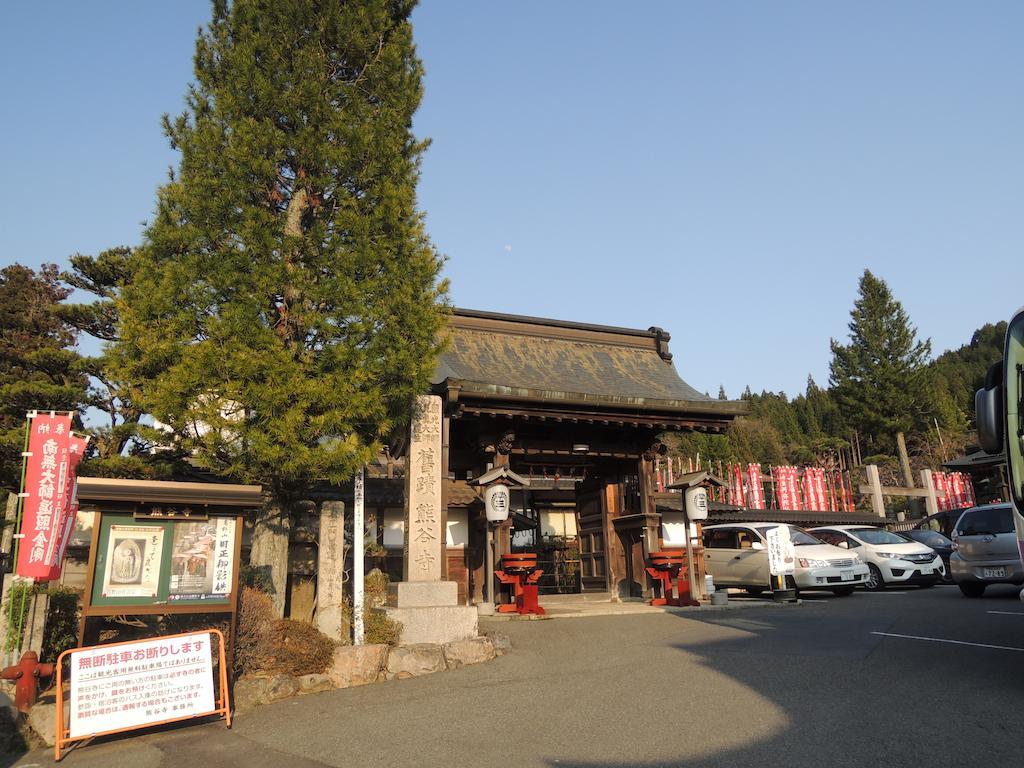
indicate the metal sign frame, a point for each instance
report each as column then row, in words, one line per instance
column 222, row 699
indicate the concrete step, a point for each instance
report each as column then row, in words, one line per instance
column 579, row 597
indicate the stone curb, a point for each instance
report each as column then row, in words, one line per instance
column 634, row 609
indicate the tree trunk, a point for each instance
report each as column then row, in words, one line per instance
column 269, row 554
column 908, row 474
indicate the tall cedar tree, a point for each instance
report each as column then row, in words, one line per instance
column 38, row 368
column 880, row 380
column 285, row 306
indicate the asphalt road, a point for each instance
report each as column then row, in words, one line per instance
column 901, row 678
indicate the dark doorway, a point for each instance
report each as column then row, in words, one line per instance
column 593, row 544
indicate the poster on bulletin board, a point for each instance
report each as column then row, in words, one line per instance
column 154, row 562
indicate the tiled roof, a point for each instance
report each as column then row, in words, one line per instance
column 555, row 361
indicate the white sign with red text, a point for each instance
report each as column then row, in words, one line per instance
column 129, row 685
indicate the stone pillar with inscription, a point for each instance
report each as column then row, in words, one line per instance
column 331, row 569
column 426, row 606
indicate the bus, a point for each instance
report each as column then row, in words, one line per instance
column 999, row 407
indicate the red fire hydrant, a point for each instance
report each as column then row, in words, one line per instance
column 27, row 673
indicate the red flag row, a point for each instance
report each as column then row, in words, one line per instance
column 953, row 490
column 810, row 488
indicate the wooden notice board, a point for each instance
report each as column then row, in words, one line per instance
column 142, row 565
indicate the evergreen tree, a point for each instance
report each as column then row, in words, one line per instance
column 721, row 392
column 121, row 445
column 38, row 368
column 880, row 380
column 285, row 307
column 959, row 373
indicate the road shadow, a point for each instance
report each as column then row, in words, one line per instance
column 852, row 697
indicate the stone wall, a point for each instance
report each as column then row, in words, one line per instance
column 365, row 664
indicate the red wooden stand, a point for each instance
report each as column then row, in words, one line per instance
column 521, row 572
column 663, row 568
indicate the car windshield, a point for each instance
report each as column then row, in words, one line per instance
column 798, row 536
column 986, row 521
column 876, row 536
column 928, row 538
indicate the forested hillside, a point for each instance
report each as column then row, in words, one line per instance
column 828, row 426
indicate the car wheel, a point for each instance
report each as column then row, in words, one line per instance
column 754, row 591
column 972, row 589
column 875, row 582
column 842, row 591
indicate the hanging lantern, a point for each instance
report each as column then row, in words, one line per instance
column 496, row 501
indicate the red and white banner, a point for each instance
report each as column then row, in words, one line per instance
column 736, row 485
column 959, row 492
column 813, row 486
column 786, row 492
column 755, row 491
column 76, row 450
column 969, row 498
column 46, row 493
column 48, row 508
column 821, row 485
column 941, row 491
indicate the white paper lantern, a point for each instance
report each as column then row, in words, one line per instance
column 496, row 500
column 697, row 503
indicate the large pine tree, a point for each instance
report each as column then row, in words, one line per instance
column 121, row 443
column 880, row 380
column 285, row 306
column 39, row 370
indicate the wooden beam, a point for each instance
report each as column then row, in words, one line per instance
column 913, row 493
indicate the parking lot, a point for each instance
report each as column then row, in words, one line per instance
column 900, row 677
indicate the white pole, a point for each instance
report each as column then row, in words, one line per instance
column 358, row 543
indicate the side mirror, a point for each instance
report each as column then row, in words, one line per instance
column 757, row 546
column 988, row 411
column 843, row 544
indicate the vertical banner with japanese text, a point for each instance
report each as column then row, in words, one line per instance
column 755, row 491
column 47, row 493
column 59, row 545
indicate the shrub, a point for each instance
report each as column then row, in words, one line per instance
column 61, row 622
column 297, row 648
column 378, row 627
column 255, row 617
column 16, row 608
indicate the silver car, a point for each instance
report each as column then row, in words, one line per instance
column 985, row 550
column 736, row 555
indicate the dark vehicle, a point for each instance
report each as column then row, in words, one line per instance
column 941, row 543
column 940, row 522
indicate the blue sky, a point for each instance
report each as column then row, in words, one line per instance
column 723, row 170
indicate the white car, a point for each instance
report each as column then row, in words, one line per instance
column 891, row 559
column 735, row 555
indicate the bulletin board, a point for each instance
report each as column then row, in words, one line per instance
column 141, row 565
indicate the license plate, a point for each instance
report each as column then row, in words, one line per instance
column 846, row 575
column 993, row 573
column 926, row 571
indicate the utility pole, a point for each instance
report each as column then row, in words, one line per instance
column 358, row 547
